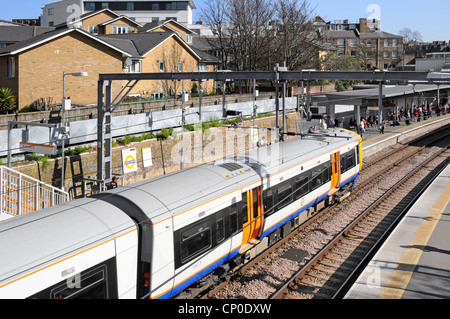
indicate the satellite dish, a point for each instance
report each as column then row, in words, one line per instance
column 128, row 61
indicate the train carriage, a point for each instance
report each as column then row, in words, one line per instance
column 182, row 227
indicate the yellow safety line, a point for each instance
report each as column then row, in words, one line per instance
column 413, row 124
column 399, row 279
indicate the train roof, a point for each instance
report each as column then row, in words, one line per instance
column 39, row 238
column 72, row 226
column 171, row 194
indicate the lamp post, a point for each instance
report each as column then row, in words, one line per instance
column 64, row 132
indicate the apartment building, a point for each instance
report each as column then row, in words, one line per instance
column 374, row 48
column 141, row 11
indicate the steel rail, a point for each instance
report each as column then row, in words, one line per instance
column 342, row 234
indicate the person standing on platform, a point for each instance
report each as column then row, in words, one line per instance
column 382, row 127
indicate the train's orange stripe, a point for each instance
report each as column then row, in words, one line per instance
column 36, row 271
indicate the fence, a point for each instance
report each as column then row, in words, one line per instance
column 21, row 194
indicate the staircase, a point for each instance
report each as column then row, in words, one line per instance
column 21, row 194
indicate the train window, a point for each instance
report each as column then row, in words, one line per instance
column 91, row 285
column 244, row 209
column 268, row 202
column 284, row 195
column 317, row 177
column 343, row 161
column 348, row 161
column 357, row 154
column 234, row 220
column 351, row 162
column 301, row 186
column 98, row 282
column 195, row 239
column 326, row 171
column 220, row 227
column 255, row 203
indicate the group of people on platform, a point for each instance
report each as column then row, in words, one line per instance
column 414, row 114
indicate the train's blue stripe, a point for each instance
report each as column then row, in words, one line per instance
column 185, row 284
column 304, row 208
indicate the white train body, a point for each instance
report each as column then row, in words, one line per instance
column 156, row 238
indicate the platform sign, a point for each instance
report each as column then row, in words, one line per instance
column 254, row 135
column 147, row 156
column 38, row 148
column 129, row 160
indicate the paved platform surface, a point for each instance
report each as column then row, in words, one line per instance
column 373, row 139
column 415, row 261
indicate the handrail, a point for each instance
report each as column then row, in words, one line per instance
column 21, row 194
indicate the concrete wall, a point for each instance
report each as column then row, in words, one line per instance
column 86, row 131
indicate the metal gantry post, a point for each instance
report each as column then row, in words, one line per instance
column 108, row 132
column 380, row 103
column 277, row 101
column 200, row 100
column 100, row 131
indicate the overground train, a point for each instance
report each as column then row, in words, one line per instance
column 172, row 234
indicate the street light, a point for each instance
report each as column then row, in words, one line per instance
column 64, row 133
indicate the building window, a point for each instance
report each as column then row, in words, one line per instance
column 51, row 11
column 93, row 29
column 386, row 42
column 121, row 29
column 188, row 38
column 130, row 6
column 201, row 67
column 155, row 19
column 180, row 66
column 369, row 43
column 394, row 54
column 161, row 66
column 135, row 67
column 340, row 42
column 394, row 42
column 11, row 67
column 89, row 6
column 155, row 6
column 105, row 5
column 353, row 42
column 386, row 54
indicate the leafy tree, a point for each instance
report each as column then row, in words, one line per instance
column 335, row 62
column 7, row 100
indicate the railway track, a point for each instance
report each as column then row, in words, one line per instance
column 332, row 270
column 273, row 274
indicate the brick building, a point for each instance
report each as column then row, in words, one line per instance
column 372, row 47
column 34, row 68
column 141, row 11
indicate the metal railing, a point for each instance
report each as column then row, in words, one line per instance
column 21, row 194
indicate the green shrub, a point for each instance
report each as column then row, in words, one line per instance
column 7, row 101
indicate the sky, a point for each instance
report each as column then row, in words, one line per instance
column 430, row 17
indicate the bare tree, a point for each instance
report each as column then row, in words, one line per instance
column 256, row 34
column 296, row 38
column 410, row 36
column 259, row 33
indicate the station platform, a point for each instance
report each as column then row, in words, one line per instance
column 414, row 263
column 374, row 141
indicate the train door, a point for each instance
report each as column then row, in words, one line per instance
column 252, row 215
column 335, row 171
